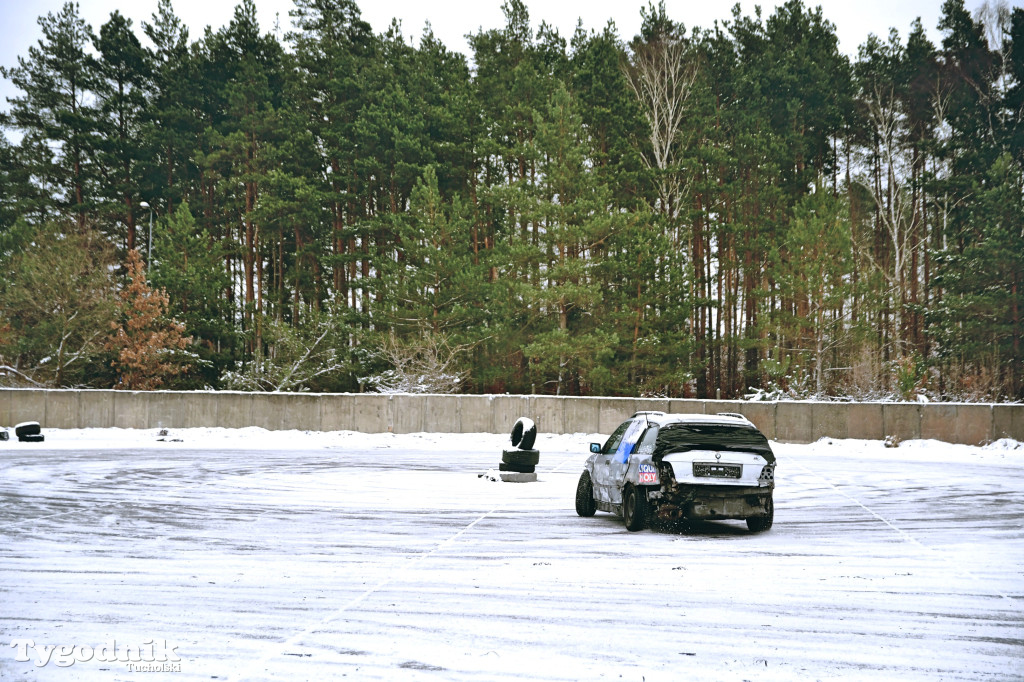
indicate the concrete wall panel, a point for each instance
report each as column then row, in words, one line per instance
column 716, row 406
column 864, row 420
column 686, row 406
column 793, row 422
column 902, row 420
column 95, row 409
column 337, row 412
column 829, row 420
column 939, row 422
column 61, row 410
column 200, row 409
column 582, row 415
column 1008, row 422
column 548, row 412
column 28, row 405
column 613, row 412
column 651, row 404
column 952, row 423
column 286, row 411
column 235, row 410
column 165, row 410
column 131, row 409
column 763, row 416
column 475, row 413
column 6, row 397
column 408, row 412
column 974, row 424
column 506, row 409
column 372, row 413
column 441, row 414
column 264, row 412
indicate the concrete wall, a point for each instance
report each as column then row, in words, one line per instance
column 788, row 421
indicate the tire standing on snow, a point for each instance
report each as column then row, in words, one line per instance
column 585, row 505
column 524, row 433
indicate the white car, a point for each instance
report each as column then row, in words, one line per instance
column 681, row 466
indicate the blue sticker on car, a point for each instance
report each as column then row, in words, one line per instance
column 629, row 440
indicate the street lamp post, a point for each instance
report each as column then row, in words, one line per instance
column 149, row 247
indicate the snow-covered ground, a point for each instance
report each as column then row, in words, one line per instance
column 250, row 554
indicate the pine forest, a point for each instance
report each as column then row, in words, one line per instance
column 734, row 211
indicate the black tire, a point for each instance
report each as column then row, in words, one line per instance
column 758, row 524
column 585, row 505
column 634, row 508
column 517, row 468
column 524, row 433
column 521, row 457
column 32, row 438
column 26, row 429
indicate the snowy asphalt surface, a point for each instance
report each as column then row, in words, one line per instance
column 299, row 556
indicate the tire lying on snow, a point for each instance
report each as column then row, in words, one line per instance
column 524, row 433
column 31, row 438
column 517, row 468
column 27, row 429
column 520, row 457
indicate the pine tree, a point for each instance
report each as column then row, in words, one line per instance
column 124, row 71
column 172, row 127
column 188, row 266
column 573, row 211
column 54, row 111
column 146, row 345
column 332, row 46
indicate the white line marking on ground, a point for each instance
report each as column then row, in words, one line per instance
column 899, row 531
column 279, row 649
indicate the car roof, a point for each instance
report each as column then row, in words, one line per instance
column 722, row 418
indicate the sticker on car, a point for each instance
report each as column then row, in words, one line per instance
column 647, row 473
column 629, row 439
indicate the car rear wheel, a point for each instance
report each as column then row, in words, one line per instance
column 634, row 508
column 585, row 495
column 762, row 523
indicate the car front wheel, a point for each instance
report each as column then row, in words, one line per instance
column 762, row 523
column 634, row 508
column 585, row 495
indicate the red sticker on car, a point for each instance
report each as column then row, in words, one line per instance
column 646, row 473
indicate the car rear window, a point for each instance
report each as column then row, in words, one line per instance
column 684, row 437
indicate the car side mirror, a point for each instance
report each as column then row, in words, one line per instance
column 595, row 448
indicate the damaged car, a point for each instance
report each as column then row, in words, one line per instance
column 677, row 467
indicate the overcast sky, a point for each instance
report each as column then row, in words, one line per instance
column 453, row 19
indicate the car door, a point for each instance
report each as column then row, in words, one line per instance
column 619, row 461
column 603, row 461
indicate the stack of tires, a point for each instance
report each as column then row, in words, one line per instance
column 29, row 432
column 520, row 465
